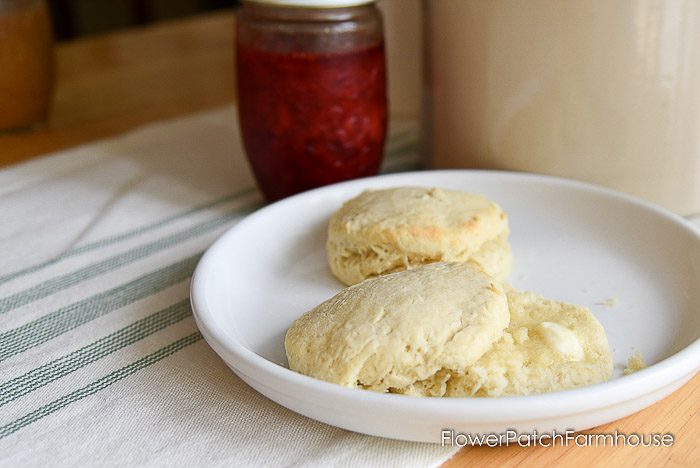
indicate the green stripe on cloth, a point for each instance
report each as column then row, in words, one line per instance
column 395, row 146
column 399, row 148
column 59, row 283
column 56, row 284
column 403, row 167
column 125, row 235
column 98, row 385
column 405, row 147
column 54, row 370
column 400, row 138
column 49, row 326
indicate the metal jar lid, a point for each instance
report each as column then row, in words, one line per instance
column 313, row 3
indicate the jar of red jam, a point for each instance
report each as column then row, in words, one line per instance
column 311, row 80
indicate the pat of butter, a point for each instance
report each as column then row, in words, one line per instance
column 561, row 340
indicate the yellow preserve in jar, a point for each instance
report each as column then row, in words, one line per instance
column 26, row 63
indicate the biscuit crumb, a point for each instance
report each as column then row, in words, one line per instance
column 612, row 302
column 635, row 363
column 438, row 194
column 520, row 335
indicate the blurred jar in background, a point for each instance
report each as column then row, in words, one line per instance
column 26, row 63
column 312, row 101
column 602, row 91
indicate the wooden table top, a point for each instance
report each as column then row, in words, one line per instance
column 112, row 83
column 109, row 84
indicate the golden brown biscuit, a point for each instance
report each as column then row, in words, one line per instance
column 396, row 329
column 384, row 231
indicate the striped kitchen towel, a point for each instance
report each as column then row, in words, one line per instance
column 101, row 363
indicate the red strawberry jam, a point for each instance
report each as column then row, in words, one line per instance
column 311, row 119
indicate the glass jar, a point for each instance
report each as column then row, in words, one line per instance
column 311, row 81
column 26, row 63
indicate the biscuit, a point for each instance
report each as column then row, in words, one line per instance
column 547, row 346
column 391, row 331
column 384, row 231
column 635, row 363
column 495, row 257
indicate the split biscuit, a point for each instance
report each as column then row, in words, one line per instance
column 384, row 231
column 389, row 332
column 548, row 346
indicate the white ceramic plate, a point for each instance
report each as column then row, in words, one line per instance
column 571, row 241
